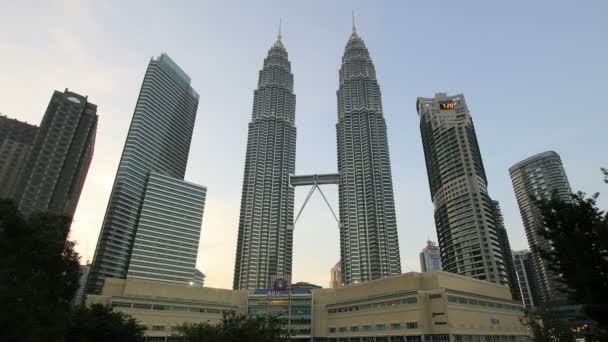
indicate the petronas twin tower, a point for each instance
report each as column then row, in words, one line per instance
column 369, row 246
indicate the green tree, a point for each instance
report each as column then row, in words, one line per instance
column 548, row 326
column 38, row 275
column 99, row 323
column 235, row 327
column 578, row 233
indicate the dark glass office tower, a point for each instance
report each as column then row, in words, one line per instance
column 59, row 158
column 16, row 139
column 265, row 238
column 465, row 216
column 505, row 247
column 539, row 177
column 369, row 246
column 158, row 141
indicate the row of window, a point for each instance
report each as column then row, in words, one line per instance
column 156, row 307
column 376, row 327
column 405, row 301
column 470, row 301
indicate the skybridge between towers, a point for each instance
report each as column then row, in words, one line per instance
column 314, row 181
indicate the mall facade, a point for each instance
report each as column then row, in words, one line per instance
column 417, row 307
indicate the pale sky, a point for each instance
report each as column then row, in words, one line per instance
column 533, row 73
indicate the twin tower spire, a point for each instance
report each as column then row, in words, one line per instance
column 369, row 247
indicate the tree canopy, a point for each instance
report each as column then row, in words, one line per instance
column 99, row 323
column 578, row 233
column 235, row 327
column 39, row 272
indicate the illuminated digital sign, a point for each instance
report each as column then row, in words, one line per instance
column 443, row 105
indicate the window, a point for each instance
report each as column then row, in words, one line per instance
column 354, row 328
column 121, row 305
column 411, row 325
column 142, row 306
column 332, row 329
column 395, row 326
column 158, row 328
column 452, row 299
column 367, row 327
column 380, row 327
column 342, row 329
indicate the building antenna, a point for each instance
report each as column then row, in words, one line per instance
column 280, row 27
column 354, row 27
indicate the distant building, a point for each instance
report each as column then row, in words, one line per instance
column 154, row 157
column 430, row 258
column 464, row 216
column 540, row 176
column 505, row 247
column 168, row 230
column 411, row 307
column 79, row 297
column 16, row 139
column 527, row 278
column 336, row 276
column 198, row 278
column 59, row 159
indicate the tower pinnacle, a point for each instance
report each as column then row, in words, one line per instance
column 354, row 27
column 280, row 37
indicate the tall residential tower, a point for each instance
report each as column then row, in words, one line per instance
column 265, row 237
column 539, row 177
column 369, row 246
column 16, row 139
column 158, row 142
column 59, row 158
column 464, row 212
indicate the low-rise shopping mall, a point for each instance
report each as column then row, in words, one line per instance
column 424, row 307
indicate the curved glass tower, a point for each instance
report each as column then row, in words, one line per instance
column 369, row 247
column 158, row 141
column 540, row 176
column 265, row 239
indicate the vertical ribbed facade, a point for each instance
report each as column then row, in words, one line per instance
column 158, row 141
column 505, row 247
column 527, row 278
column 168, row 230
column 265, row 236
column 60, row 156
column 369, row 246
column 16, row 139
column 539, row 177
column 464, row 212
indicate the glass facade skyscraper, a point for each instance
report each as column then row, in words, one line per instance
column 369, row 245
column 168, row 230
column 430, row 258
column 158, row 141
column 464, row 212
column 528, row 278
column 59, row 159
column 16, row 139
column 265, row 236
column 505, row 247
column 539, row 177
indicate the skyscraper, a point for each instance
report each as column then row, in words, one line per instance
column 158, row 141
column 59, row 158
column 430, row 258
column 265, row 238
column 464, row 215
column 505, row 247
column 528, row 278
column 369, row 246
column 335, row 277
column 82, row 282
column 538, row 177
column 16, row 139
column 168, row 230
